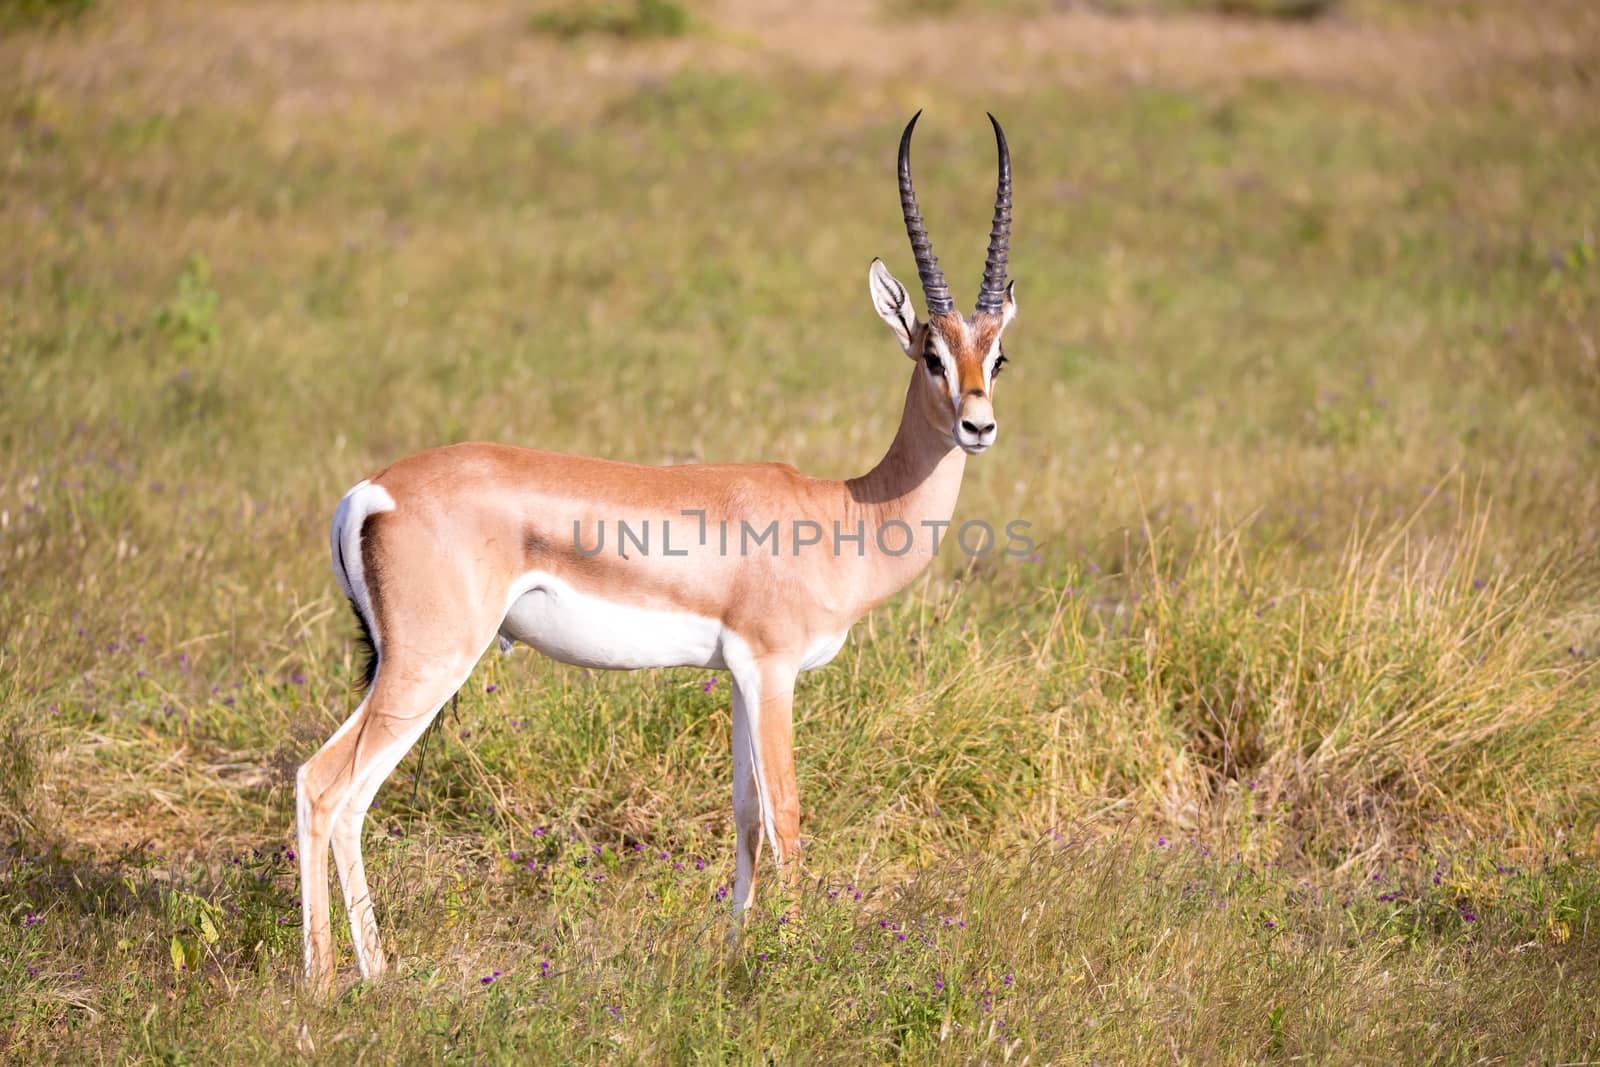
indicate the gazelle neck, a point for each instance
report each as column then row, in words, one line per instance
column 916, row 482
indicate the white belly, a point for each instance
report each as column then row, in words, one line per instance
column 822, row 651
column 589, row 631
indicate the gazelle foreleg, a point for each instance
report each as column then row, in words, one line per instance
column 747, row 806
column 765, row 799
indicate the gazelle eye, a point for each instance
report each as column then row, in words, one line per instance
column 931, row 358
column 998, row 363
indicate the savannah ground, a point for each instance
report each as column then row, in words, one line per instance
column 1282, row 744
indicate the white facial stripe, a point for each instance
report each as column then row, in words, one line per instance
column 989, row 362
column 947, row 365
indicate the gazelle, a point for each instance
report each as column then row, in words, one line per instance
column 446, row 551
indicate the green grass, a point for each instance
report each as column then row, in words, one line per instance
column 1281, row 745
column 19, row 15
column 645, row 18
column 1266, row 9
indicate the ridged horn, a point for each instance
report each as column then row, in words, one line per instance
column 992, row 293
column 934, row 289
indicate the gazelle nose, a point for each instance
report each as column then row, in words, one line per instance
column 974, row 429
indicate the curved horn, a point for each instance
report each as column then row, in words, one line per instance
column 933, row 286
column 992, row 293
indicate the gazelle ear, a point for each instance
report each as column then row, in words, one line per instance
column 893, row 303
column 1008, row 310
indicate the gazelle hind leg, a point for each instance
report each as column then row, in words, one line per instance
column 346, row 837
column 317, row 793
column 334, row 789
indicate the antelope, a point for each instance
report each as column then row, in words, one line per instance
column 447, row 551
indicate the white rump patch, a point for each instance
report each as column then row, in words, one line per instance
column 344, row 542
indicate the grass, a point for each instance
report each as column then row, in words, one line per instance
column 35, row 14
column 1270, row 9
column 1280, row 745
column 646, row 18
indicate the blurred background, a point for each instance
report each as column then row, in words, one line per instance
column 1303, row 406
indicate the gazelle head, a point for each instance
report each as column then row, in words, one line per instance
column 959, row 357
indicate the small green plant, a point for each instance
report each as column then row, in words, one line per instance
column 942, row 8
column 642, row 19
column 190, row 320
column 23, row 14
column 195, row 922
column 1266, row 9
